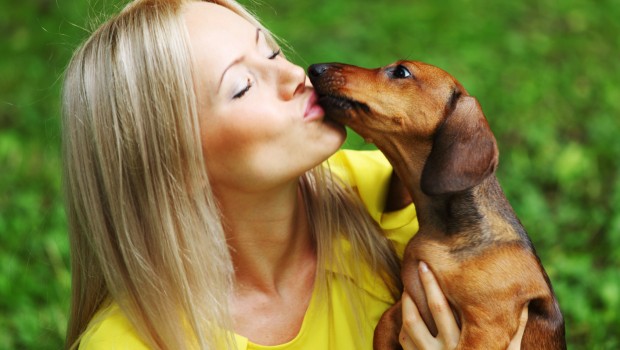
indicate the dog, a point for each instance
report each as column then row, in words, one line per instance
column 440, row 145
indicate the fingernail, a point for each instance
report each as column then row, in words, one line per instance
column 423, row 266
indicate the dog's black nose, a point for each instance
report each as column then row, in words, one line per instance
column 316, row 70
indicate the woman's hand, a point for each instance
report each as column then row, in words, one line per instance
column 414, row 334
column 515, row 343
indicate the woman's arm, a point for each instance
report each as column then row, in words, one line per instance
column 414, row 333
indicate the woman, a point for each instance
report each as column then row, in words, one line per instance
column 202, row 211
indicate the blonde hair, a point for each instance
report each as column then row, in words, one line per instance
column 144, row 227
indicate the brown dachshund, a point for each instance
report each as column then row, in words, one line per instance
column 440, row 145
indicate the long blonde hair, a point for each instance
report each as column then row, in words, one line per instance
column 144, row 227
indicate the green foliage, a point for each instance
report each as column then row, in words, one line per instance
column 544, row 71
column 39, row 37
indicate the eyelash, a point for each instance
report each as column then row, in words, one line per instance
column 245, row 89
column 240, row 94
column 275, row 54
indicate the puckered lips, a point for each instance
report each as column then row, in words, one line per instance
column 313, row 109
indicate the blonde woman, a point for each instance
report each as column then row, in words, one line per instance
column 203, row 210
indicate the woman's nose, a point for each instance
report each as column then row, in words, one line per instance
column 292, row 80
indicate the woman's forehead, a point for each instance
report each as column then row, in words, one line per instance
column 209, row 16
column 217, row 35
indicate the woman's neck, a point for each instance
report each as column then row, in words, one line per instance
column 269, row 238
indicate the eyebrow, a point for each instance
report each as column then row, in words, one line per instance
column 237, row 60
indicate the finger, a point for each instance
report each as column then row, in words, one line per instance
column 515, row 343
column 405, row 341
column 438, row 304
column 414, row 329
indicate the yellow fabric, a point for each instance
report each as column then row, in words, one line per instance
column 326, row 325
column 111, row 330
column 369, row 173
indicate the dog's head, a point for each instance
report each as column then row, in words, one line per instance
column 417, row 105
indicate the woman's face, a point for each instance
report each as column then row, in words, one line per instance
column 260, row 123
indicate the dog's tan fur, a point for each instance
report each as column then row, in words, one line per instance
column 440, row 145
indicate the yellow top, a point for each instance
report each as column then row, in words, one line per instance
column 326, row 325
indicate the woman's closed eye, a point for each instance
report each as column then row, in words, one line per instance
column 245, row 89
column 249, row 83
column 275, row 54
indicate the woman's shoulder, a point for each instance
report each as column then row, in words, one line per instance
column 110, row 329
column 369, row 174
column 346, row 161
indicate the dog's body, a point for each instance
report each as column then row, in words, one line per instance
column 440, row 145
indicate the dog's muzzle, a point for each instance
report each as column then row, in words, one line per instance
column 328, row 80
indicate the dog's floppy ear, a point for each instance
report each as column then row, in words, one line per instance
column 464, row 151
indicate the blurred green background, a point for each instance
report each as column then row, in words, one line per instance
column 545, row 71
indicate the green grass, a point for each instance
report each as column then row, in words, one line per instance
column 546, row 73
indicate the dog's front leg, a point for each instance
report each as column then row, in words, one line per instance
column 388, row 329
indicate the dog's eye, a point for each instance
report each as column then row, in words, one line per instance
column 401, row 72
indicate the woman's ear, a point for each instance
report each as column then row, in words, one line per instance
column 464, row 151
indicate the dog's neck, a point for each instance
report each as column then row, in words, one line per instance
column 456, row 214
column 408, row 166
